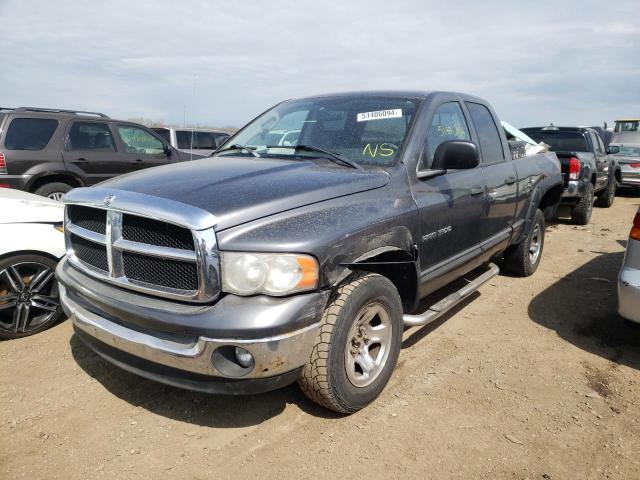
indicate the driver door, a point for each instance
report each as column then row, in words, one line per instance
column 450, row 205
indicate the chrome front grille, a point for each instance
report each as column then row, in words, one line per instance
column 140, row 253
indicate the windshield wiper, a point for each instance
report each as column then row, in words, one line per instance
column 334, row 157
column 251, row 150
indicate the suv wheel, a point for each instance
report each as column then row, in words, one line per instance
column 357, row 345
column 581, row 213
column 523, row 259
column 29, row 297
column 54, row 191
column 606, row 197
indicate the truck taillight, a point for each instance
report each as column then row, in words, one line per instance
column 574, row 168
column 635, row 165
column 635, row 230
column 3, row 163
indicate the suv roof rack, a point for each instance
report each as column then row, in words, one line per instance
column 57, row 110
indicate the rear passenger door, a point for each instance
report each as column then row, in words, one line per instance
column 141, row 149
column 90, row 148
column 499, row 177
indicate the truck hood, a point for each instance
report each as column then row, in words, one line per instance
column 240, row 189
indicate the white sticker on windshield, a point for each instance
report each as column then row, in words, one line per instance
column 380, row 115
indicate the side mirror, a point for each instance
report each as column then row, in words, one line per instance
column 613, row 149
column 167, row 149
column 456, row 154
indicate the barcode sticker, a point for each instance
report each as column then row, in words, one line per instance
column 380, row 115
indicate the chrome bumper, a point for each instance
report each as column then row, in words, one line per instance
column 273, row 355
column 629, row 294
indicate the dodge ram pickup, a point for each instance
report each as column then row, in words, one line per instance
column 271, row 263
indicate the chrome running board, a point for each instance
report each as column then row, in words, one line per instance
column 438, row 309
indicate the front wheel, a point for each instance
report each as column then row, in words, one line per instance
column 605, row 198
column 29, row 297
column 357, row 346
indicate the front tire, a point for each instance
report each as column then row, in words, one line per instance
column 29, row 295
column 357, row 346
column 523, row 259
column 605, row 198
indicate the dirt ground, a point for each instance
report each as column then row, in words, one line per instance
column 531, row 378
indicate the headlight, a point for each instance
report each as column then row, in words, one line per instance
column 268, row 273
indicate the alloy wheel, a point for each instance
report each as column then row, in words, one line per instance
column 29, row 297
column 57, row 196
column 368, row 344
column 535, row 245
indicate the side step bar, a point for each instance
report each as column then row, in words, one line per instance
column 443, row 306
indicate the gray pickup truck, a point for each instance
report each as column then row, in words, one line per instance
column 267, row 264
column 590, row 175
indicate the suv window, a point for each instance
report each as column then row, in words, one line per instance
column 30, row 133
column 137, row 140
column 448, row 123
column 90, row 136
column 221, row 138
column 490, row 142
column 183, row 137
column 205, row 140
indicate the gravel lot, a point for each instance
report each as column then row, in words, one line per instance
column 531, row 378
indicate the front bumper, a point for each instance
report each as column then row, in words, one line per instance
column 629, row 294
column 172, row 342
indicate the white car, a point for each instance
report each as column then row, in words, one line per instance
column 629, row 278
column 31, row 243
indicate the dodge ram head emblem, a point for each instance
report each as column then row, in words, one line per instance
column 108, row 200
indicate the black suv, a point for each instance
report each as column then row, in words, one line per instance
column 49, row 152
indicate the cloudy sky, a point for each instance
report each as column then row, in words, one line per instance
column 221, row 63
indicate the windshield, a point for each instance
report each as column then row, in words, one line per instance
column 369, row 130
column 628, row 151
column 559, row 141
column 627, row 126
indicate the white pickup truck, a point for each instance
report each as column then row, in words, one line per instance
column 201, row 141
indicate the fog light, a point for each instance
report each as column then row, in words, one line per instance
column 244, row 358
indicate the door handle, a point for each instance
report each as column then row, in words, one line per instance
column 81, row 159
column 138, row 159
column 510, row 180
column 477, row 190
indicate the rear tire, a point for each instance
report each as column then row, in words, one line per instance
column 581, row 213
column 605, row 198
column 54, row 190
column 523, row 259
column 354, row 356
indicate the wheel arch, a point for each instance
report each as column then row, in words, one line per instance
column 399, row 266
column 16, row 253
column 51, row 177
